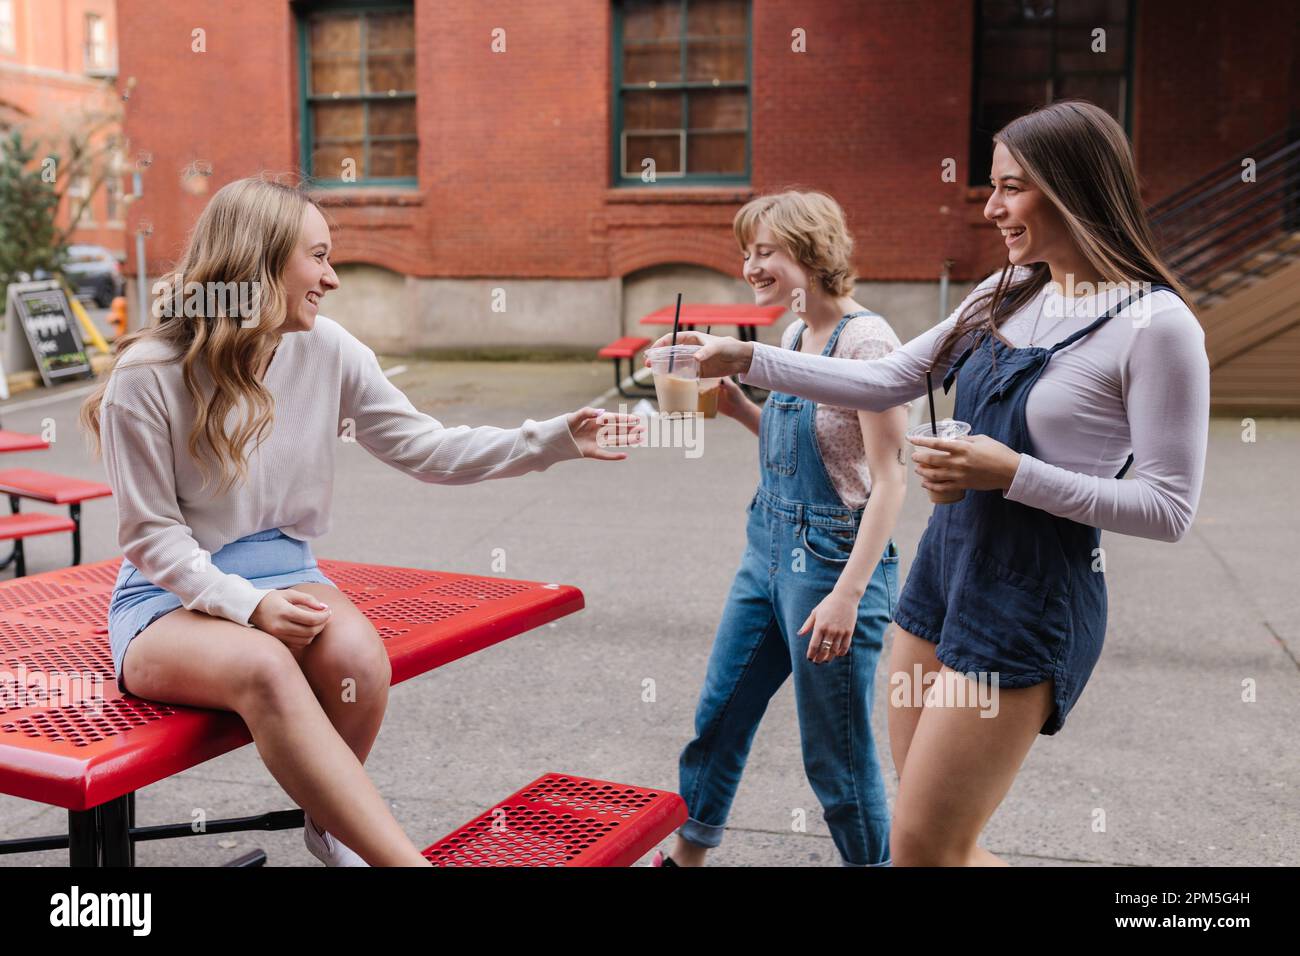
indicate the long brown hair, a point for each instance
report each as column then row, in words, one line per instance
column 244, row 235
column 1079, row 156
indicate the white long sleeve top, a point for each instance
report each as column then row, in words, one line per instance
column 1140, row 383
column 328, row 388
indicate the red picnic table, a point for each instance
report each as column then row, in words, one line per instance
column 92, row 759
column 746, row 318
column 17, row 441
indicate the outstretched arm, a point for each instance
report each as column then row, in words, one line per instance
column 383, row 421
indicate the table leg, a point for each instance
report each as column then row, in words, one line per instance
column 83, row 837
column 115, row 832
column 130, row 820
column 13, row 552
column 74, row 512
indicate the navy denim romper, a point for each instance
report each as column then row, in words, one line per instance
column 1002, row 588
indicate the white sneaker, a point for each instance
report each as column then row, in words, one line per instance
column 326, row 848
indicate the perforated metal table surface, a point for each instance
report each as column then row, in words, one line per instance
column 90, row 757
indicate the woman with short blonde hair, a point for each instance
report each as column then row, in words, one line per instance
column 817, row 583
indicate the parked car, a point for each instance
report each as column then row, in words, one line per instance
column 93, row 272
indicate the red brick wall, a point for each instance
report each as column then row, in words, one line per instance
column 229, row 107
column 515, row 147
column 1211, row 79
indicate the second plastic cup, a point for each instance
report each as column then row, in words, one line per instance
column 678, row 390
column 710, row 390
column 946, row 428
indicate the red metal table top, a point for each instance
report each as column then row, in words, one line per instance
column 17, row 441
column 717, row 315
column 56, row 489
column 52, row 629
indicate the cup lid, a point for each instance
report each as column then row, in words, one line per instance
column 946, row 428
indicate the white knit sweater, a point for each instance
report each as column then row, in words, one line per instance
column 328, row 388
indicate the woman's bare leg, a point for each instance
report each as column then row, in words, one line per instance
column 908, row 652
column 348, row 669
column 960, row 765
column 194, row 659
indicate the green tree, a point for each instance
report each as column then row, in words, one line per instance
column 28, row 204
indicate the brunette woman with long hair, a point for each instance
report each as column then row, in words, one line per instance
column 1076, row 361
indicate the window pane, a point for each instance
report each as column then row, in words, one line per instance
column 392, row 118
column 1083, row 13
column 664, row 150
column 1014, row 94
column 1074, row 51
column 1012, row 52
column 327, row 160
column 1037, row 11
column 342, row 75
column 390, row 31
column 716, row 18
column 719, row 109
column 338, row 120
column 716, row 60
column 660, row 62
column 335, row 33
column 651, row 19
column 1000, row 12
column 646, row 109
column 715, row 153
column 385, row 72
column 392, row 160
column 1102, row 90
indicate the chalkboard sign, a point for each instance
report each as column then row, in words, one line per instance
column 52, row 332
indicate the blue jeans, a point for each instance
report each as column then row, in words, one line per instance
column 758, row 646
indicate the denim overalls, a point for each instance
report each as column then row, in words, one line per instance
column 1003, row 589
column 800, row 536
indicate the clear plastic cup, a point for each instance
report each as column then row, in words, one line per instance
column 678, row 390
column 710, row 391
column 946, row 428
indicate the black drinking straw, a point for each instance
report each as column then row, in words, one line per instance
column 929, row 393
column 676, row 318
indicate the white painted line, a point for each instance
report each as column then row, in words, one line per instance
column 395, row 370
column 48, row 399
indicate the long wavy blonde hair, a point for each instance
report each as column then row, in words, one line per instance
column 246, row 234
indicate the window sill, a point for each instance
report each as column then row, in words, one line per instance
column 679, row 194
column 368, row 196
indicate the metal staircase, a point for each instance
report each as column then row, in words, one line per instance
column 1236, row 245
column 1222, row 233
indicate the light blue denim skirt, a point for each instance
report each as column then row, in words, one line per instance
column 268, row 559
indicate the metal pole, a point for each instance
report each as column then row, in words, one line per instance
column 141, row 272
column 943, row 289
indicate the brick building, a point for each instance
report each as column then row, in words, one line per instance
column 57, row 59
column 467, row 147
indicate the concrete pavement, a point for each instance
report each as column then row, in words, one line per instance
column 1185, row 771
